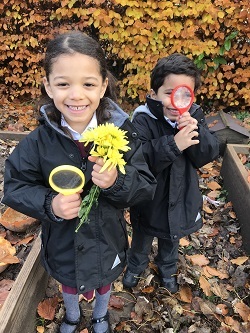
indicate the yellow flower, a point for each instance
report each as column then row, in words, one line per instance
column 110, row 142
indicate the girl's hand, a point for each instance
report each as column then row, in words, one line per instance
column 184, row 138
column 186, row 119
column 66, row 206
column 105, row 179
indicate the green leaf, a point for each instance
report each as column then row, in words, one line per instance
column 232, row 35
column 222, row 50
column 201, row 56
column 227, row 45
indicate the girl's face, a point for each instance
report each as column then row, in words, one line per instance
column 163, row 94
column 76, row 87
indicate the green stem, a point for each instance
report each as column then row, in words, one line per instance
column 87, row 204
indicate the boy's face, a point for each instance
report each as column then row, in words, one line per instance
column 164, row 92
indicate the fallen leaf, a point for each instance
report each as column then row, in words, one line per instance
column 210, row 271
column 185, row 294
column 5, row 287
column 208, row 166
column 116, row 302
column 148, row 290
column 142, row 308
column 198, row 259
column 213, row 185
column 129, row 240
column 239, row 261
column 219, row 290
column 213, row 194
column 205, row 286
column 184, row 242
column 206, row 208
column 118, row 286
column 46, row 309
column 234, row 325
column 243, row 310
column 232, row 215
column 207, row 308
column 26, row 240
column 7, row 252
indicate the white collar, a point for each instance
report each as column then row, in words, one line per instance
column 173, row 124
column 75, row 134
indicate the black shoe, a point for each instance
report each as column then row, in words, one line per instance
column 130, row 279
column 102, row 319
column 170, row 284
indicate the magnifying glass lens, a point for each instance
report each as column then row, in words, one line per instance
column 67, row 179
column 182, row 97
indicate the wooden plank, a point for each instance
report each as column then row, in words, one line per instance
column 235, row 182
column 10, row 135
column 18, row 313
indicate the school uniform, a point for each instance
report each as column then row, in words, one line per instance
column 176, row 208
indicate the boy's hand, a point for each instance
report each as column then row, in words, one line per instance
column 104, row 179
column 186, row 119
column 184, row 138
column 66, row 206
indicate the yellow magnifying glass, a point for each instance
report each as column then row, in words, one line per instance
column 66, row 179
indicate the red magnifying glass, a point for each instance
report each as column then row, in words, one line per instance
column 182, row 98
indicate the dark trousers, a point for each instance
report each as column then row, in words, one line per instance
column 166, row 258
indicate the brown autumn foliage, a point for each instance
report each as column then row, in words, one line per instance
column 134, row 34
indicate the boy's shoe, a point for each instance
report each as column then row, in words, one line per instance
column 130, row 279
column 170, row 284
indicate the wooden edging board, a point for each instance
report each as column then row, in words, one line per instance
column 235, row 180
column 18, row 313
column 11, row 135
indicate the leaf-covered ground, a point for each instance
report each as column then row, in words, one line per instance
column 214, row 277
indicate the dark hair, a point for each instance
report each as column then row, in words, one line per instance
column 77, row 42
column 175, row 63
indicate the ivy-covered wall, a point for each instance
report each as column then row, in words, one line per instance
column 134, row 34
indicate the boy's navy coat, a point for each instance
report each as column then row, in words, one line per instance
column 175, row 209
column 96, row 255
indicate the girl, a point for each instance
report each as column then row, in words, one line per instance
column 79, row 88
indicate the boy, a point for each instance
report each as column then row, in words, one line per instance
column 174, row 147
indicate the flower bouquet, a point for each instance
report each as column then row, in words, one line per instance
column 109, row 143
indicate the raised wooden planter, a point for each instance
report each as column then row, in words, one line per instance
column 18, row 313
column 235, row 182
